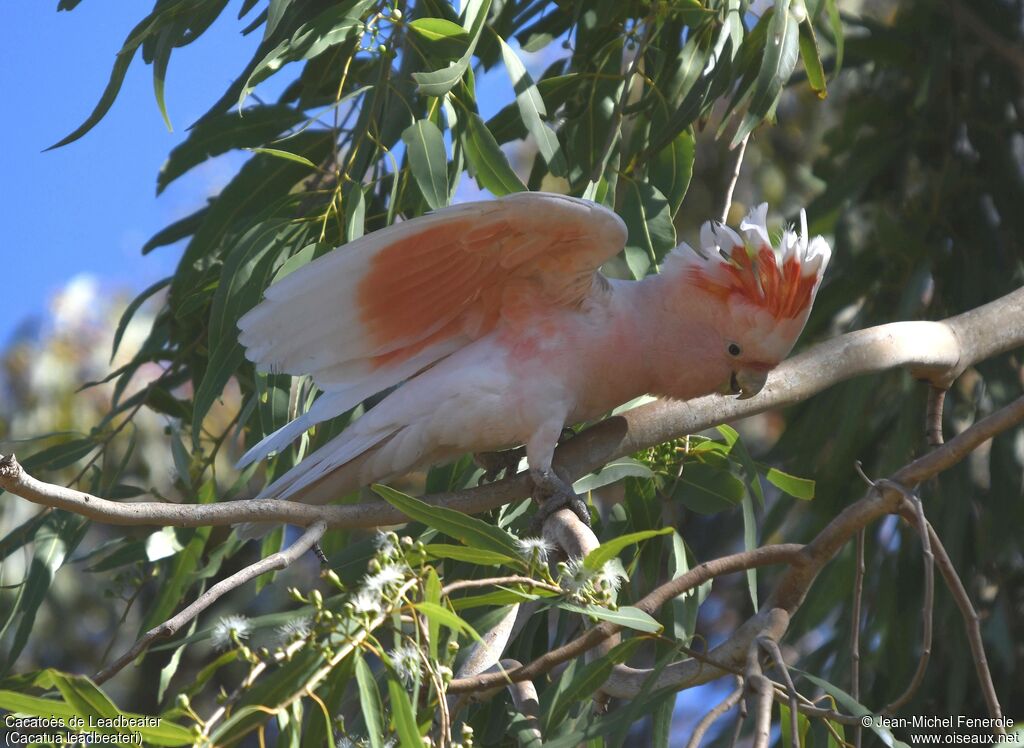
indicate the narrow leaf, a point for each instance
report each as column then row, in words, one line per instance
column 490, row 165
column 429, row 161
column 287, row 155
column 472, row 531
column 369, row 700
column 798, row 488
column 611, row 548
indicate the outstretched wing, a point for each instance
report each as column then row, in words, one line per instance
column 377, row 310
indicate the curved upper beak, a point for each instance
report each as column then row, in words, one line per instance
column 748, row 382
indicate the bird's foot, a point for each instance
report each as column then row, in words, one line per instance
column 495, row 463
column 552, row 493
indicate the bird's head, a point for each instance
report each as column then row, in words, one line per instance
column 758, row 295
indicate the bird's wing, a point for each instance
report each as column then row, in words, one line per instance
column 377, row 310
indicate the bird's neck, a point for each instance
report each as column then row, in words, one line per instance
column 677, row 345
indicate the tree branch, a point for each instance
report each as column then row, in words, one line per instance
column 756, row 558
column 805, row 562
column 934, row 351
column 167, row 629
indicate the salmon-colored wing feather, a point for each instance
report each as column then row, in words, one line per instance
column 374, row 312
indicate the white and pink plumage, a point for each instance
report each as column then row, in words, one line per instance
column 494, row 318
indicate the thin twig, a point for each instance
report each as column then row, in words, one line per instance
column 927, row 608
column 715, row 714
column 758, row 557
column 171, row 626
column 973, row 626
column 933, row 415
column 736, row 167
column 858, row 597
column 464, row 584
column 772, row 647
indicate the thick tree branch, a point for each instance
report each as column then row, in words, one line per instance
column 805, row 562
column 934, row 351
column 756, row 558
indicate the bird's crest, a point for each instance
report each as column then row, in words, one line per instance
column 781, row 280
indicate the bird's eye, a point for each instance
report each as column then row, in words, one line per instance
column 734, row 350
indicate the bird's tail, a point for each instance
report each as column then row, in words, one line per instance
column 323, row 477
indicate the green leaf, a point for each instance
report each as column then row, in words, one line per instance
column 438, row 29
column 672, row 169
column 87, row 699
column 247, row 271
column 60, row 534
column 611, row 548
column 855, row 708
column 624, row 467
column 472, row 531
column 287, row 155
column 627, row 616
column 532, row 111
column 260, row 182
column 706, row 489
column 812, row 59
column 121, row 64
column 488, row 162
column 161, row 56
column 432, row 594
column 282, row 684
column 785, row 726
column 587, row 680
column 252, row 127
column 782, row 50
column 275, row 12
column 835, row 22
column 648, row 217
column 464, row 553
column 335, row 25
column 440, row 82
column 369, row 700
column 428, row 160
column 180, row 577
column 798, row 488
column 685, row 608
column 750, row 543
column 403, row 716
column 129, row 312
column 441, row 615
column 176, row 231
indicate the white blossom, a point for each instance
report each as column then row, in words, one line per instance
column 386, row 544
column 389, row 576
column 534, row 548
column 611, row 575
column 576, row 577
column 294, row 629
column 238, row 626
column 405, row 659
column 366, row 602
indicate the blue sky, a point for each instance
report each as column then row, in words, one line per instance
column 89, row 206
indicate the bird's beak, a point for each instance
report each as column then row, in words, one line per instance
column 748, row 382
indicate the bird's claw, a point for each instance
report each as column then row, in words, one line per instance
column 552, row 493
column 495, row 463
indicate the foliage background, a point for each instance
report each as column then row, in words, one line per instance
column 914, row 164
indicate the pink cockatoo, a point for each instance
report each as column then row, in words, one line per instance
column 501, row 330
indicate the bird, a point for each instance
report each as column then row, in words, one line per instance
column 495, row 327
